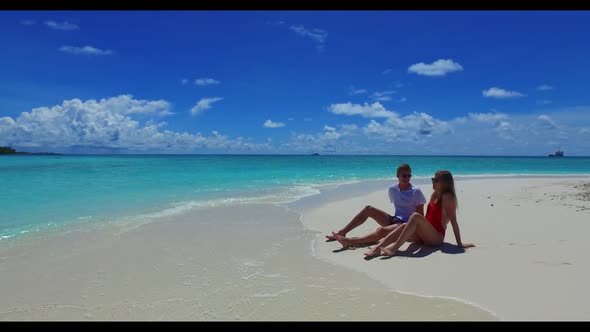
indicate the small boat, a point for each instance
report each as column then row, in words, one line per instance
column 557, row 153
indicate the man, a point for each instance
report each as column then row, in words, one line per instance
column 406, row 200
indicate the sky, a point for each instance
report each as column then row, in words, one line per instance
column 296, row 82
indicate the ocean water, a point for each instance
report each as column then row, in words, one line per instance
column 45, row 192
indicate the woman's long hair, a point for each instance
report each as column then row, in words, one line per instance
column 449, row 186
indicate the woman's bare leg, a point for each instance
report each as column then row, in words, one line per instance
column 391, row 237
column 423, row 230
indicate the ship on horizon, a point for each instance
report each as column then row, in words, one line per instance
column 558, row 153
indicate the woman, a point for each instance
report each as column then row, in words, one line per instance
column 429, row 230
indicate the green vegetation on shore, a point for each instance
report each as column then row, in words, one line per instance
column 9, row 150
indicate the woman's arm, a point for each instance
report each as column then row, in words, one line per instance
column 449, row 212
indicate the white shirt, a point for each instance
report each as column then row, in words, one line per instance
column 405, row 201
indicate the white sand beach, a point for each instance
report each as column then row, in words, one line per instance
column 258, row 262
column 246, row 262
column 531, row 256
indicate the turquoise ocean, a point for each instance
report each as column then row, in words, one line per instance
column 45, row 192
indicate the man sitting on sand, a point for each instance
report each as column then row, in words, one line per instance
column 406, row 200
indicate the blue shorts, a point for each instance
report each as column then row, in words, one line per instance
column 395, row 220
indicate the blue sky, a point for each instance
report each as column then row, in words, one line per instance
column 343, row 82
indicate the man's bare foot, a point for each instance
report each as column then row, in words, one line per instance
column 330, row 238
column 387, row 252
column 343, row 240
column 376, row 251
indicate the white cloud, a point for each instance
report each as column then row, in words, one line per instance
column 375, row 110
column 383, row 95
column 269, row 124
column 422, row 124
column 491, row 133
column 544, row 87
column 119, row 123
column 386, row 71
column 439, row 67
column 204, row 104
column 109, row 124
column 328, row 128
column 184, row 81
column 87, row 50
column 413, row 127
column 6, row 122
column 546, row 121
column 544, row 102
column 62, row 25
column 403, row 99
column 331, row 135
column 521, row 134
column 505, row 130
column 354, row 91
column 291, row 119
column 501, row 93
column 317, row 35
column 488, row 117
column 348, row 128
column 206, row 81
column 375, row 127
column 299, row 142
column 125, row 104
column 329, row 140
column 27, row 22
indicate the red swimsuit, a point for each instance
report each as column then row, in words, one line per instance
column 434, row 217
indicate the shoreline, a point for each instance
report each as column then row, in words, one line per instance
column 313, row 190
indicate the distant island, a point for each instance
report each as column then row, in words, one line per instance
column 315, row 154
column 9, row 150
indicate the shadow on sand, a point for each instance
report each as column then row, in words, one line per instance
column 413, row 250
column 416, row 251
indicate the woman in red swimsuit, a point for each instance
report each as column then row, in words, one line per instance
column 429, row 230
